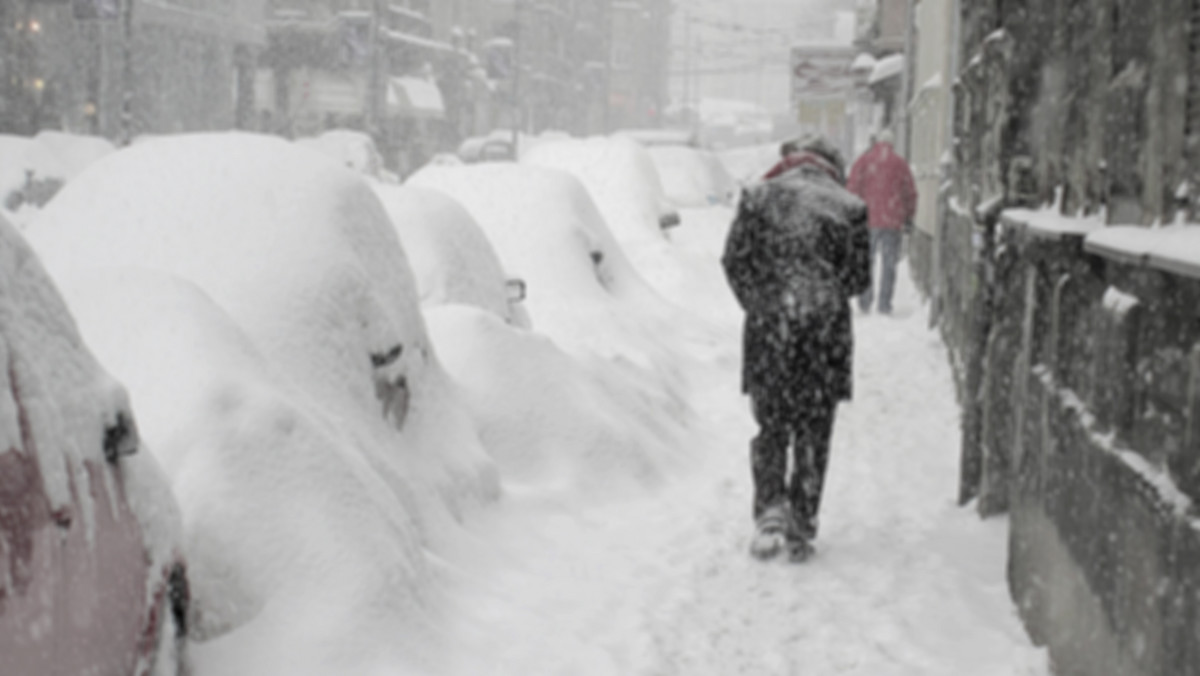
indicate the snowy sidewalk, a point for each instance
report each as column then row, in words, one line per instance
column 904, row 582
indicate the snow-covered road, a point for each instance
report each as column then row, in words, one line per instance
column 904, row 582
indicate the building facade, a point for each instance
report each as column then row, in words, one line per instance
column 120, row 69
column 1068, row 278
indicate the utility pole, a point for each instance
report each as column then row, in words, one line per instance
column 607, row 65
column 518, row 110
column 127, row 125
column 8, row 89
column 373, row 114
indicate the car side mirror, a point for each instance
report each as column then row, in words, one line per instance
column 120, row 438
column 515, row 289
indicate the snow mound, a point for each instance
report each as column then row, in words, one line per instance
column 582, row 291
column 619, row 175
column 562, row 239
column 301, row 257
column 354, row 150
column 556, row 425
column 291, row 534
column 692, row 178
column 452, row 259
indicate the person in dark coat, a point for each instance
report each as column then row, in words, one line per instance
column 797, row 252
column 884, row 181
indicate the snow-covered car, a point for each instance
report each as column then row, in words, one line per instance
column 494, row 147
column 549, row 408
column 355, row 150
column 661, row 137
column 92, row 579
column 624, row 186
column 318, row 450
column 621, row 178
column 452, row 259
column 693, row 178
column 582, row 290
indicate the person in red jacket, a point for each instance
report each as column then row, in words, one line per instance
column 883, row 180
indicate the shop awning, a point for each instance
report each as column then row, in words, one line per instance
column 887, row 68
column 415, row 97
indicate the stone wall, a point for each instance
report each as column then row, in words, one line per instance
column 1087, row 408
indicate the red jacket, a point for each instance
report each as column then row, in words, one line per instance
column 883, row 180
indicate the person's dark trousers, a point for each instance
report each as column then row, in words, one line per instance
column 805, row 427
column 885, row 243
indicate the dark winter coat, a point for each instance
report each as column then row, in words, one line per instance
column 884, row 181
column 797, row 251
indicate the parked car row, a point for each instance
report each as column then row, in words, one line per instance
column 292, row 442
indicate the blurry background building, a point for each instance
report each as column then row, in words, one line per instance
column 80, row 65
column 418, row 75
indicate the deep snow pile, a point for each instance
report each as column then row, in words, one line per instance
column 622, row 180
column 452, row 259
column 600, row 401
column 692, row 178
column 316, row 445
column 354, row 150
column 619, row 175
column 582, row 291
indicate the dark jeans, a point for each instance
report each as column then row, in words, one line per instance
column 886, row 243
column 804, row 424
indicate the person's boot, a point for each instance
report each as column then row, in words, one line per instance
column 772, row 530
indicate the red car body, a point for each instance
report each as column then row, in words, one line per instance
column 81, row 591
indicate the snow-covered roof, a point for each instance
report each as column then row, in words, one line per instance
column 886, row 68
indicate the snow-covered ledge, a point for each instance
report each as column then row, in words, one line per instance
column 1174, row 248
column 1048, row 223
